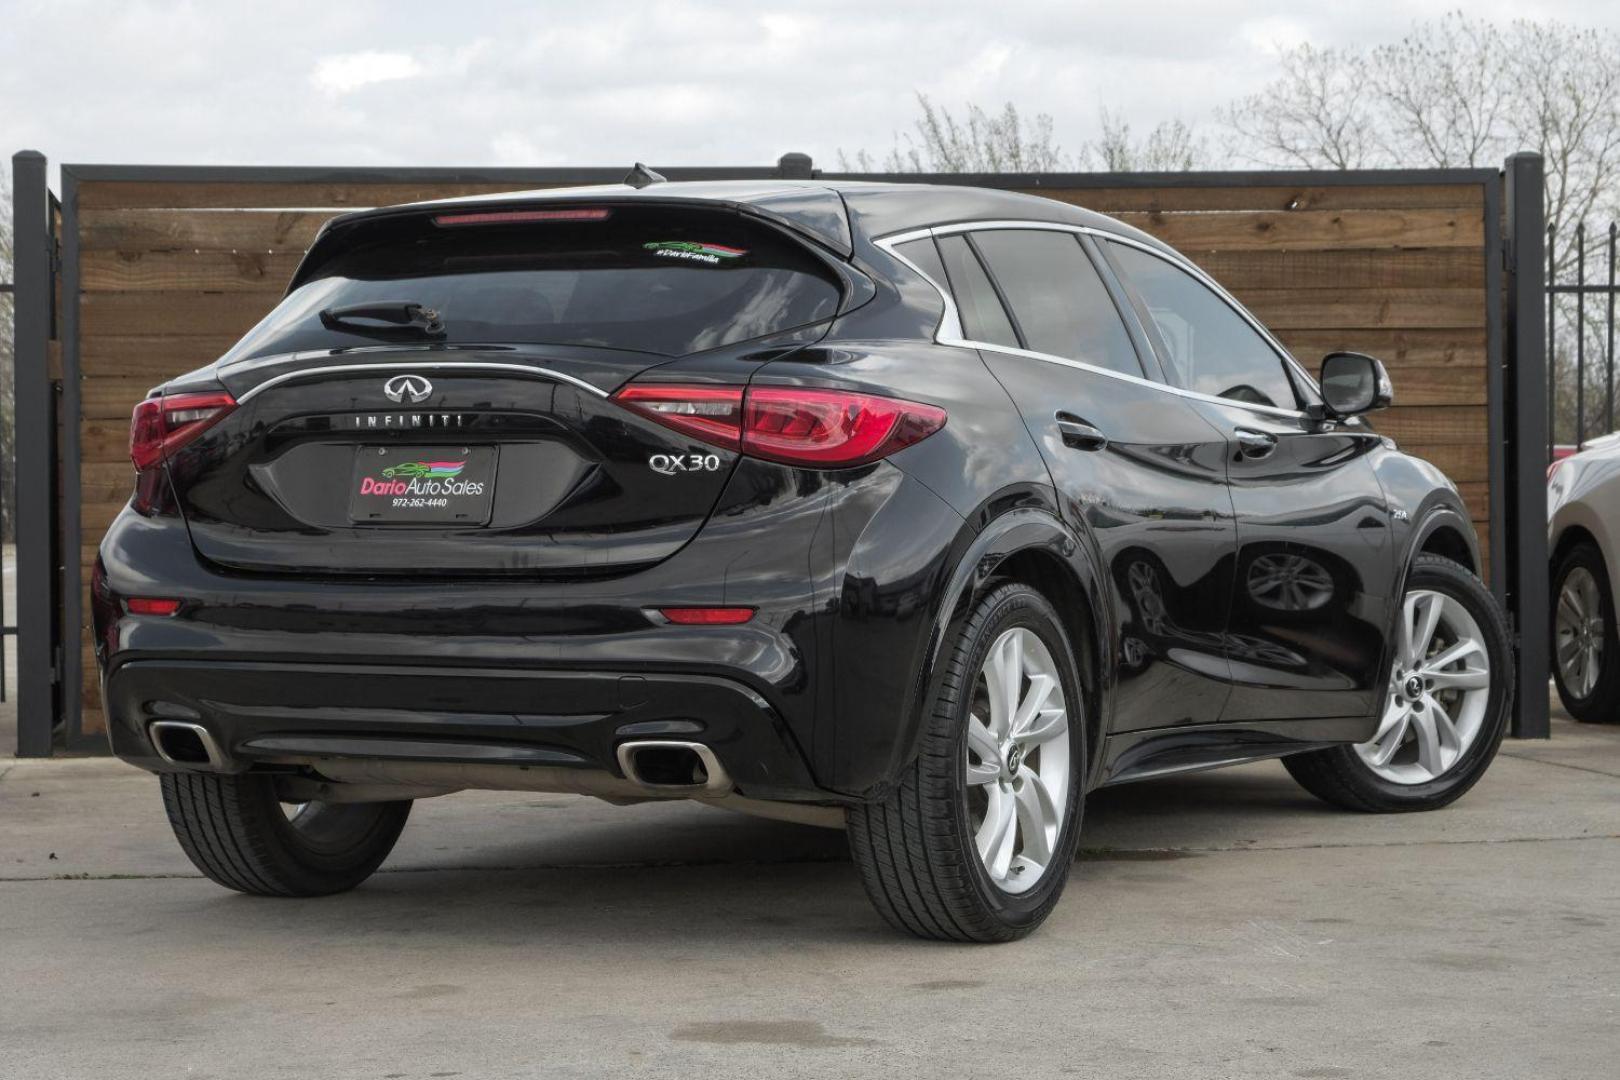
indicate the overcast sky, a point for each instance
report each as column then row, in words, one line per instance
column 732, row 82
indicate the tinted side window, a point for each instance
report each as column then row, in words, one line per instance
column 1212, row 348
column 926, row 256
column 983, row 317
column 1057, row 296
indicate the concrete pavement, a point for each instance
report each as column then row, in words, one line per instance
column 1219, row 925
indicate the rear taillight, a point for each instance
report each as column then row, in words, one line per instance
column 162, row 425
column 710, row 413
column 795, row 425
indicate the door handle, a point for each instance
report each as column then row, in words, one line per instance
column 1078, row 434
column 1255, row 444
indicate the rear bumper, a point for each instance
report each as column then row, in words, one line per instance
column 816, row 698
column 266, row 714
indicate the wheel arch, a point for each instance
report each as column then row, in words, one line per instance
column 1576, row 522
column 1444, row 530
column 1035, row 548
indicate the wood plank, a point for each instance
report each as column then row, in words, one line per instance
column 1476, row 495
column 341, row 194
column 1463, row 462
column 104, row 442
column 350, row 194
column 165, row 271
column 1428, row 268
column 105, row 482
column 1434, row 424
column 1315, row 309
column 96, row 517
column 201, row 314
column 154, row 357
column 1439, row 385
column 1294, row 197
column 1395, row 347
column 110, row 397
column 258, row 231
column 1310, row 230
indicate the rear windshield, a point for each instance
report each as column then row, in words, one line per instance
column 648, row 279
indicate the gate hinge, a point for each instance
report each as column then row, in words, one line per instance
column 56, row 665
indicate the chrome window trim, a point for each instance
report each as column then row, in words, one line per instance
column 431, row 365
column 950, row 331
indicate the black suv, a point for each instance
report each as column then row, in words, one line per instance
column 920, row 511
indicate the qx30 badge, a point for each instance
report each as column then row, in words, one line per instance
column 407, row 388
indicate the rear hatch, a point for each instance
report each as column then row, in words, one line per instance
column 433, row 397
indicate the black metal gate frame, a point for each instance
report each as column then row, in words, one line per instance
column 50, row 659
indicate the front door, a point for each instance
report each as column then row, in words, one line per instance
column 1315, row 561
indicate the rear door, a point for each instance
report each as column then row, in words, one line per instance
column 1315, row 567
column 1132, row 463
column 480, row 437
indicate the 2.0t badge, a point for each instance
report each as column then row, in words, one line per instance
column 411, row 388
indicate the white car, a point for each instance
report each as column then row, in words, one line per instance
column 1583, row 534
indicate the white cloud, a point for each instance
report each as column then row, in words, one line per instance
column 350, row 71
column 669, row 82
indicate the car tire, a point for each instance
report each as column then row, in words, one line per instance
column 236, row 831
column 918, row 849
column 1347, row 777
column 1580, row 581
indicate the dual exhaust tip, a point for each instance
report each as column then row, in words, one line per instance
column 668, row 767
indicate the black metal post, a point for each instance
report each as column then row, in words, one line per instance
column 34, row 257
column 1552, row 343
column 1524, row 371
column 796, row 166
column 1580, row 336
column 70, row 483
column 1609, row 353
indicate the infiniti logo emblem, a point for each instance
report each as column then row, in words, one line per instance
column 411, row 388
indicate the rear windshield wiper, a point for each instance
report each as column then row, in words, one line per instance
column 384, row 317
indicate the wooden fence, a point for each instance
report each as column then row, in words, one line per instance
column 165, row 273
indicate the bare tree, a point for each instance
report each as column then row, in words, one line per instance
column 1456, row 91
column 974, row 142
column 1318, row 113
column 1172, row 146
column 1566, row 105
column 1442, row 94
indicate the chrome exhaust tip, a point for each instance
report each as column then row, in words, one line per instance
column 188, row 746
column 673, row 768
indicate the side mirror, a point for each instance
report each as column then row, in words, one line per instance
column 1353, row 384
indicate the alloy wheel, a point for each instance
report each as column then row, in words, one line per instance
column 1018, row 762
column 1439, row 686
column 1578, row 632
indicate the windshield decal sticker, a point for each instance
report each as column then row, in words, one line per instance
column 713, row 254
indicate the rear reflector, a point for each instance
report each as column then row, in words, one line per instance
column 517, row 217
column 151, row 605
column 707, row 616
column 162, row 425
column 790, row 424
